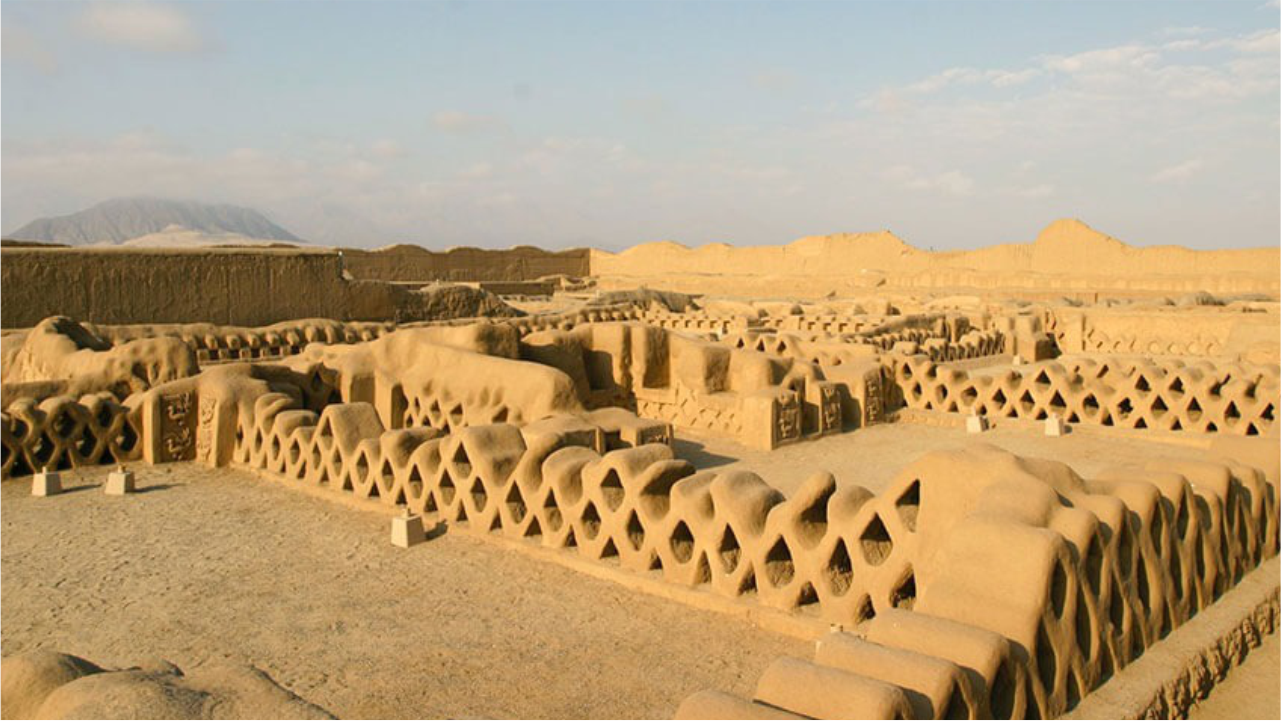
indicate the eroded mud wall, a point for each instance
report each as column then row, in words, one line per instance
column 237, row 287
column 414, row 263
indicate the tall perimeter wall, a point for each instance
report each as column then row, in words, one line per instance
column 130, row 285
column 247, row 286
column 415, row 263
column 223, row 286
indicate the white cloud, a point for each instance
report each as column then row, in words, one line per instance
column 949, row 182
column 1005, row 78
column 457, row 121
column 147, row 26
column 1177, row 173
column 387, row 149
column 1121, row 58
column 1264, row 41
column 21, row 45
column 1043, row 190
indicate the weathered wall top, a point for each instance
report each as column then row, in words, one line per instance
column 415, row 263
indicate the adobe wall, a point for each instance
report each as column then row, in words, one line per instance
column 127, row 285
column 219, row 286
column 414, row 263
column 1068, row 257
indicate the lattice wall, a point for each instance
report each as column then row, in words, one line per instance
column 65, row 432
column 1039, row 587
column 1165, row 395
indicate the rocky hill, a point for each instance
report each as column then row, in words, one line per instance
column 122, row 219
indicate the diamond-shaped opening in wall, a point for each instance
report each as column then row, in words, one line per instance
column 779, row 569
column 415, row 480
column 728, row 550
column 551, row 512
column 448, row 491
column 1058, row 589
column 807, row 597
column 611, row 489
column 103, row 417
column 682, row 543
column 590, row 521
column 839, row 569
column 865, row 611
column 516, row 508
column 702, row 570
column 635, row 531
column 1046, row 660
column 876, row 542
column 904, row 594
column 908, row 505
column 479, row 495
column 1231, row 412
column 362, row 467
column 1084, row 627
column 609, row 551
column 461, row 461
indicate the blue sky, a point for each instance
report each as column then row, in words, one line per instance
column 954, row 124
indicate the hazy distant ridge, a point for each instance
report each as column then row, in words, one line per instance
column 122, row 219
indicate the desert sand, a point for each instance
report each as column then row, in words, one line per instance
column 843, row 477
column 205, row 566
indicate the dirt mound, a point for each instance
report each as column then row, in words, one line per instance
column 47, row 684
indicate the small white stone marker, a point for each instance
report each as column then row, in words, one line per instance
column 975, row 423
column 46, row 483
column 407, row 530
column 1018, row 361
column 120, row 482
column 1054, row 425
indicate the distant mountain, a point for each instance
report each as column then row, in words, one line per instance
column 123, row 219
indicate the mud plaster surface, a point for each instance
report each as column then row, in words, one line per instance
column 205, row 565
column 873, row 456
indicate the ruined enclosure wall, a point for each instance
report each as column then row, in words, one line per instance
column 220, row 286
column 640, row 507
column 63, row 432
column 232, row 287
column 223, row 344
column 1207, row 332
column 414, row 263
column 1168, row 395
column 1088, row 574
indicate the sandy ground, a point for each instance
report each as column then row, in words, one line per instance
column 873, row 456
column 207, row 565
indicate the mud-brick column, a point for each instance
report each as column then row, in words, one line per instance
column 1072, row 327
column 770, row 418
column 215, row 430
column 822, row 408
column 169, row 425
column 390, row 401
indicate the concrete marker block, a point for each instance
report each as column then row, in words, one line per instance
column 1054, row 426
column 120, row 482
column 407, row 530
column 975, row 423
column 46, row 483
